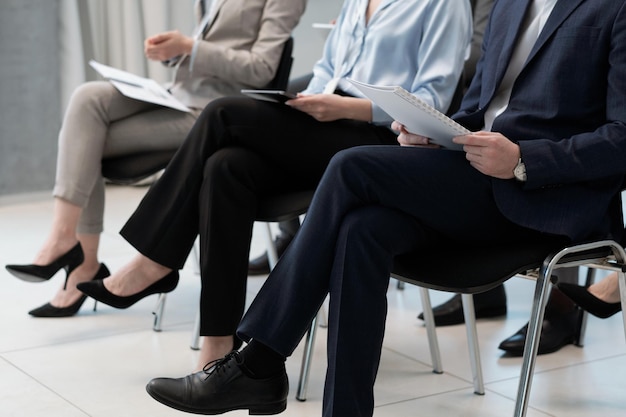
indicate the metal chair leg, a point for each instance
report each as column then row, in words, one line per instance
column 531, row 346
column 472, row 342
column 322, row 316
column 582, row 321
column 195, row 333
column 158, row 312
column 542, row 288
column 621, row 279
column 429, row 321
column 272, row 254
column 307, row 357
column 196, row 256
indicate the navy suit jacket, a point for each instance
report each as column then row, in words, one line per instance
column 567, row 112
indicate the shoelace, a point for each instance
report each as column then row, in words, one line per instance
column 218, row 365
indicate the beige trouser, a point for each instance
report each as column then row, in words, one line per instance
column 100, row 122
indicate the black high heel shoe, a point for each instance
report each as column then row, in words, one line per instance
column 48, row 310
column 589, row 302
column 39, row 273
column 97, row 291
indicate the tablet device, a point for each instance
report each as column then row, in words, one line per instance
column 277, row 96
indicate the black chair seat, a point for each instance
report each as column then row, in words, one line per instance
column 284, row 206
column 129, row 169
column 477, row 269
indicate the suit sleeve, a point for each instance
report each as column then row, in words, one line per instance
column 257, row 65
column 597, row 153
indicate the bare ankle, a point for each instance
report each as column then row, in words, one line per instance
column 214, row 348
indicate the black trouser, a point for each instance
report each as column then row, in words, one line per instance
column 239, row 150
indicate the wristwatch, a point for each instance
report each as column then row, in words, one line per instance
column 520, row 171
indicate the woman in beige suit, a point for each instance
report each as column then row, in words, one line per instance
column 238, row 44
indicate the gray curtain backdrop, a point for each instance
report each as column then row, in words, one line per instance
column 112, row 32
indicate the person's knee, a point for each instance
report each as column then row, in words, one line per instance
column 350, row 156
column 91, row 92
column 348, row 161
column 224, row 108
column 222, row 162
column 230, row 166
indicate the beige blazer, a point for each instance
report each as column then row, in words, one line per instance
column 240, row 49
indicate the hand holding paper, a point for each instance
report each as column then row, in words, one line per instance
column 418, row 117
column 406, row 138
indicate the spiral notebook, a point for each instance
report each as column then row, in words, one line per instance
column 418, row 116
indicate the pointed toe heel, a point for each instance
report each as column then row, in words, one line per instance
column 97, row 291
column 39, row 273
column 588, row 302
column 48, row 310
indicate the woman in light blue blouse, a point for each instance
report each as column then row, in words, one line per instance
column 242, row 148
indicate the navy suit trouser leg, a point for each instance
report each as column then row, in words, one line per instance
column 373, row 203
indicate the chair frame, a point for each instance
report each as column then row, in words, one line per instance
column 616, row 262
column 433, row 344
column 605, row 254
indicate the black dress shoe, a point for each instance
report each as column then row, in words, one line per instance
column 557, row 331
column 488, row 304
column 589, row 302
column 226, row 386
column 260, row 265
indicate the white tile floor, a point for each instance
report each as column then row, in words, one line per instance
column 97, row 364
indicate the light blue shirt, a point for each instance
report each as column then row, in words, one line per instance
column 420, row 45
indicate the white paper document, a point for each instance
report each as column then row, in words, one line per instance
column 418, row 116
column 138, row 88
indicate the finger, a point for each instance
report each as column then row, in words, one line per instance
column 461, row 140
column 397, row 126
column 417, row 140
column 156, row 39
column 469, row 139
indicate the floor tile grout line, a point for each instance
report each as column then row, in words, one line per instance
column 41, row 384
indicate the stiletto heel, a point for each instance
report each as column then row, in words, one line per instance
column 39, row 273
column 97, row 291
column 48, row 310
column 588, row 302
